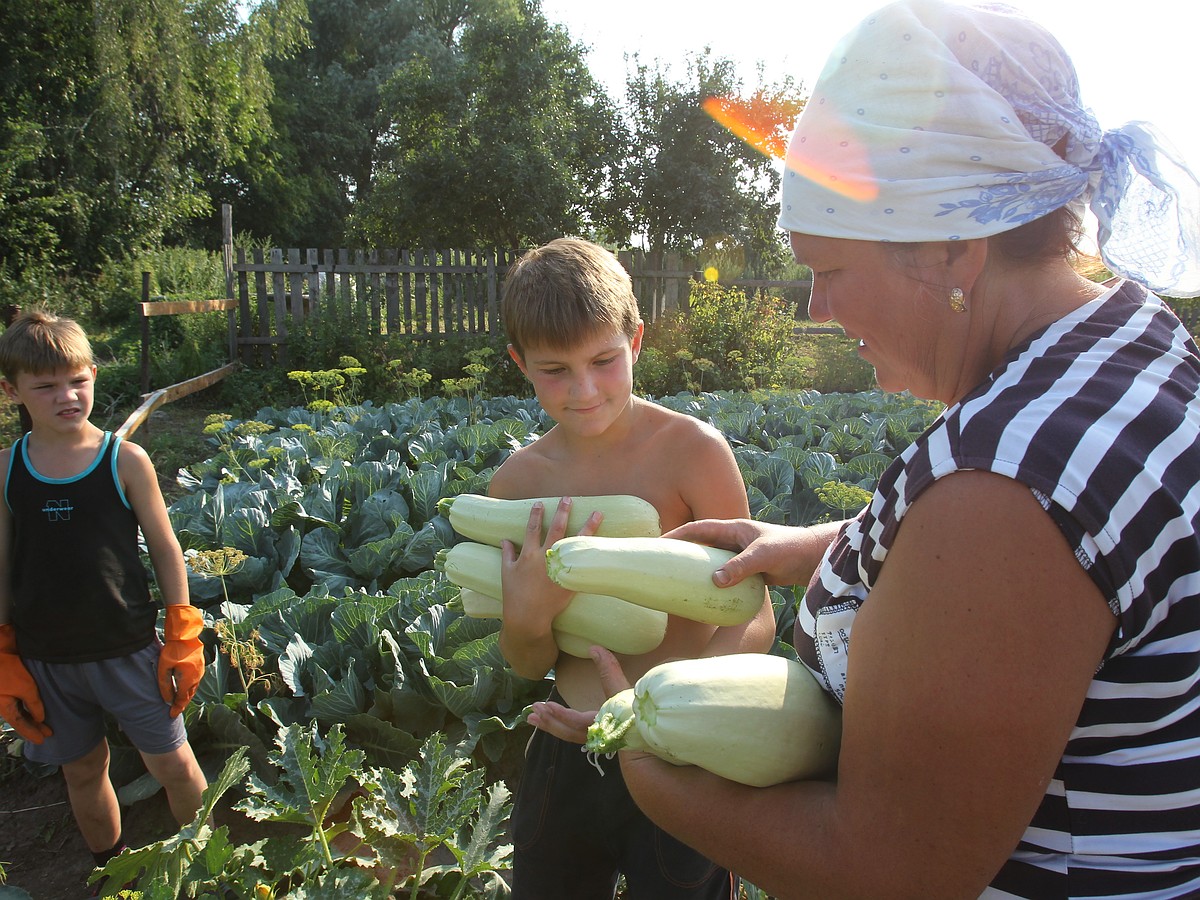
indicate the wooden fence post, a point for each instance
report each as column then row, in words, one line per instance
column 231, row 315
column 145, row 335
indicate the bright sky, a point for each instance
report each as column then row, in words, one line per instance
column 1136, row 58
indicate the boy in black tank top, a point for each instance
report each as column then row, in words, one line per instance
column 77, row 621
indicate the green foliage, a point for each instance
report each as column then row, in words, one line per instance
column 395, row 366
column 437, row 802
column 830, row 363
column 725, row 340
column 692, row 181
column 490, row 103
column 440, row 803
column 121, row 112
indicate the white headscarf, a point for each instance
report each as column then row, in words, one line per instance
column 934, row 121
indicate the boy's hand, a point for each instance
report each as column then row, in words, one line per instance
column 20, row 702
column 181, row 661
column 571, row 724
column 529, row 594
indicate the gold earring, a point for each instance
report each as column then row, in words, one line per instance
column 956, row 300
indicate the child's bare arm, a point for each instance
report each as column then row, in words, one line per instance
column 140, row 483
column 5, row 552
column 721, row 494
column 181, row 659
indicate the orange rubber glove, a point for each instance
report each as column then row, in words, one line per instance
column 181, row 661
column 20, row 702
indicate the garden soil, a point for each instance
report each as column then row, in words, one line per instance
column 41, row 848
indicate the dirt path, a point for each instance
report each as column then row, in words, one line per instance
column 40, row 845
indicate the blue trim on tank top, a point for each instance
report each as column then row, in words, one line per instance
column 109, row 437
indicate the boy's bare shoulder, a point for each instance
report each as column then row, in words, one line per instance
column 661, row 422
column 134, row 462
column 521, row 471
column 127, row 449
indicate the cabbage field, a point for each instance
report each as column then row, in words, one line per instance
column 361, row 710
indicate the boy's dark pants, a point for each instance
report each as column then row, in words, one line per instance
column 574, row 830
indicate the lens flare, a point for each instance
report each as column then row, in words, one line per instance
column 753, row 123
column 837, row 162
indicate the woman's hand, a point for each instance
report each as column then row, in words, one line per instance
column 782, row 554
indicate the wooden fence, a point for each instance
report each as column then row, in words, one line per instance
column 421, row 294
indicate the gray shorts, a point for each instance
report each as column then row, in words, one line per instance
column 77, row 695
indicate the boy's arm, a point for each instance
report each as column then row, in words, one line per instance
column 713, row 488
column 140, row 482
column 181, row 660
column 531, row 600
column 20, row 702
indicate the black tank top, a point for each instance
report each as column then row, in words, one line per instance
column 80, row 590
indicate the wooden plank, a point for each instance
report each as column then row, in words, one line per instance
column 227, row 246
column 180, row 307
column 145, row 362
column 158, row 398
column 406, row 280
column 456, row 286
column 349, row 285
column 436, row 322
column 296, row 286
column 263, row 303
column 365, row 268
column 314, row 283
column 421, row 322
column 385, row 306
column 245, row 322
column 493, row 293
column 279, row 299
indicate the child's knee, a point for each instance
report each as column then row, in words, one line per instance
column 90, row 767
column 176, row 768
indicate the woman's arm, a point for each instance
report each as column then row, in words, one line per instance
column 970, row 662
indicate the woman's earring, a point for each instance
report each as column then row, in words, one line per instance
column 957, row 300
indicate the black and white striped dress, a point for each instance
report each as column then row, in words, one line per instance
column 1099, row 415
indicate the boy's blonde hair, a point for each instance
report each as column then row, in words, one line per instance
column 39, row 342
column 564, row 292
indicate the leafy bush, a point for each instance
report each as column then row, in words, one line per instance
column 397, row 820
column 725, row 340
column 317, row 343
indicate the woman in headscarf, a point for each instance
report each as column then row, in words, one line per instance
column 1012, row 625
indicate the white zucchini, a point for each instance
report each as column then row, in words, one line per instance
column 481, row 606
column 660, row 573
column 491, row 520
column 754, row 718
column 608, row 621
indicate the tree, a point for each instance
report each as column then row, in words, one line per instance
column 495, row 134
column 304, row 182
column 693, row 181
column 120, row 111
